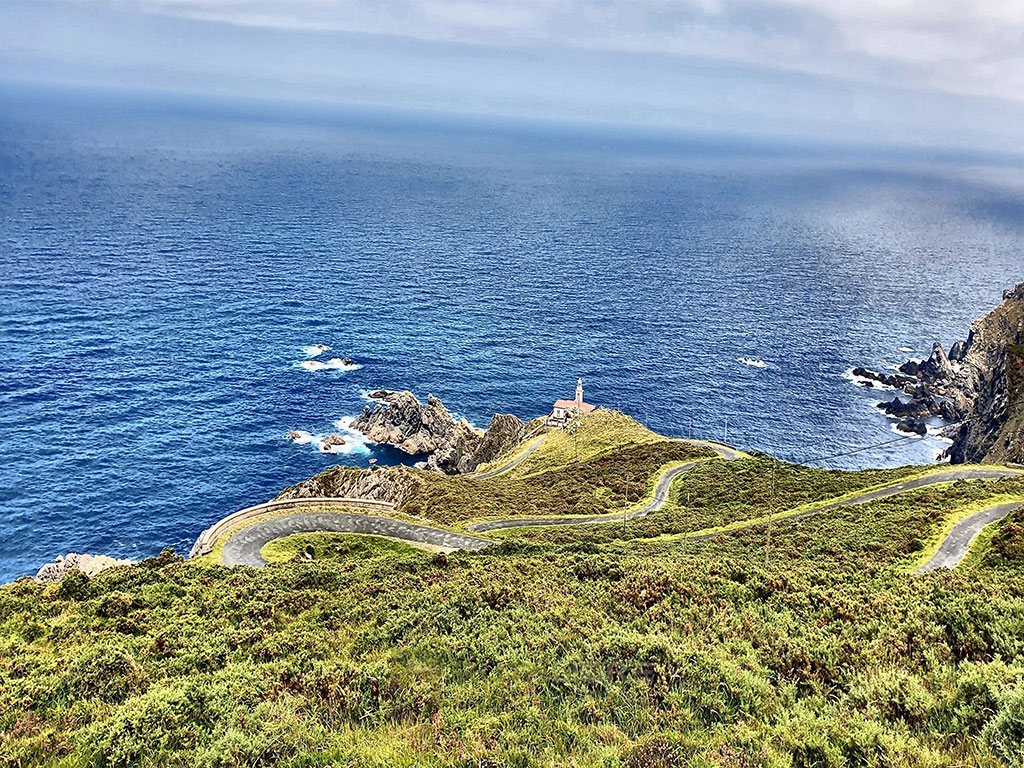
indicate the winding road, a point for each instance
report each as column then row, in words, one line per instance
column 242, row 547
column 956, row 545
column 660, row 497
column 512, row 464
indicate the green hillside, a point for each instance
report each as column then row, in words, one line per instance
column 804, row 643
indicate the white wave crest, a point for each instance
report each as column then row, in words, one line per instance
column 936, row 433
column 862, row 381
column 334, row 364
column 315, row 350
column 301, row 437
column 338, row 364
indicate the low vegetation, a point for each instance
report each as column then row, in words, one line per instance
column 335, row 547
column 805, row 644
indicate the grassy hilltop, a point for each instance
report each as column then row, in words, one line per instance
column 804, row 643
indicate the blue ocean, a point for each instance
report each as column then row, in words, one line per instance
column 167, row 263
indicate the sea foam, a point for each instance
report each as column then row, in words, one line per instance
column 315, row 350
column 334, row 364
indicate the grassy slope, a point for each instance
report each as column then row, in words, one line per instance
column 619, row 461
column 1000, row 545
column 811, row 647
column 338, row 547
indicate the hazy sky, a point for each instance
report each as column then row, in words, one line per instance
column 932, row 72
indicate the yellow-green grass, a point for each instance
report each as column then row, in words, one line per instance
column 596, row 434
column 981, row 541
column 811, row 507
column 339, row 546
column 643, row 501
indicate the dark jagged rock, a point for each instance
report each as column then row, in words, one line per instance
column 979, row 384
column 936, row 369
column 452, row 446
column 913, row 427
column 918, row 407
column 889, row 381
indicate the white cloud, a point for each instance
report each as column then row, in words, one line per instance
column 951, row 45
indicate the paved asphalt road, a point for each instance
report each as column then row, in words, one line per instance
column 243, row 547
column 954, row 547
column 512, row 464
column 660, row 497
column 946, row 476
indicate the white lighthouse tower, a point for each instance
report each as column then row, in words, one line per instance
column 579, row 390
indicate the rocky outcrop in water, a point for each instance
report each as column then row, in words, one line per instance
column 978, row 387
column 90, row 565
column 451, row 446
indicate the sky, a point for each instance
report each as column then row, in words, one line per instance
column 934, row 73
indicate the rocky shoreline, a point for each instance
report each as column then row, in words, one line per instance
column 977, row 389
column 90, row 565
column 450, row 446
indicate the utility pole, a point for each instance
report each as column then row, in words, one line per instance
column 771, row 510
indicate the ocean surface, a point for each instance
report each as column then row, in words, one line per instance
column 165, row 263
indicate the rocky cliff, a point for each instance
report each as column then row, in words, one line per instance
column 978, row 387
column 989, row 373
column 449, row 445
column 389, row 484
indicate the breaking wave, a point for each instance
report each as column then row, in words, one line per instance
column 334, row 364
column 315, row 350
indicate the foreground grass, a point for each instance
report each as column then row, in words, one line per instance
column 804, row 644
column 813, row 648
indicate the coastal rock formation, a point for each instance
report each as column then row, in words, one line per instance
column 869, row 378
column 329, row 443
column 978, row 386
column 992, row 373
column 451, row 446
column 389, row 484
column 90, row 565
column 913, row 426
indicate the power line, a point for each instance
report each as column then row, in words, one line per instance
column 860, row 450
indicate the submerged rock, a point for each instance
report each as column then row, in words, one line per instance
column 913, row 426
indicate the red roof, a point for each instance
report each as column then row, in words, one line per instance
column 585, row 407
